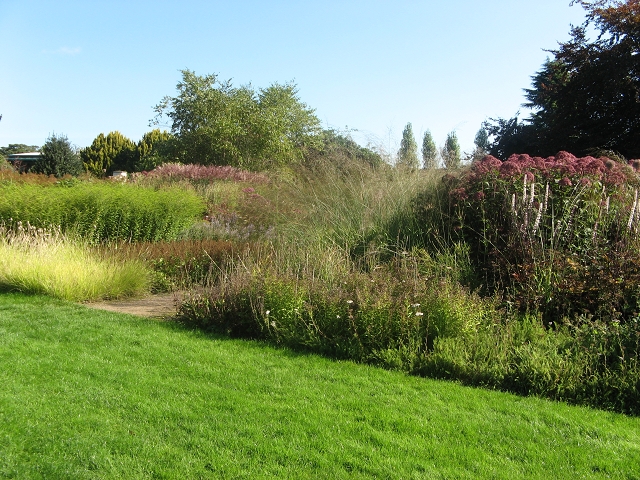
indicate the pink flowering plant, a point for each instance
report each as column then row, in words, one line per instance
column 176, row 172
column 557, row 235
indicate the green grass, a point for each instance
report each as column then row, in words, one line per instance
column 47, row 262
column 90, row 394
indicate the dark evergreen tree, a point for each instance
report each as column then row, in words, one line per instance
column 58, row 157
column 587, row 98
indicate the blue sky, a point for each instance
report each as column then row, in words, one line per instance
column 81, row 68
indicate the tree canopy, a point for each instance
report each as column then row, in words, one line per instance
column 586, row 99
column 18, row 148
column 155, row 148
column 219, row 124
column 341, row 147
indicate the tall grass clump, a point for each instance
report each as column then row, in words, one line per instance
column 349, row 206
column 102, row 211
column 178, row 264
column 557, row 235
column 45, row 261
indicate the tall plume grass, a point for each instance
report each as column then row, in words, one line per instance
column 44, row 261
column 356, row 208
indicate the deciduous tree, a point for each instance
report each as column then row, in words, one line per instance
column 339, row 147
column 217, row 123
column 18, row 148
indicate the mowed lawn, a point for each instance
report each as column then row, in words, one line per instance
column 91, row 394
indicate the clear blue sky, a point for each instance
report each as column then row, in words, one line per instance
column 81, row 68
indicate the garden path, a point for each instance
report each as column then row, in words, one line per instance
column 161, row 306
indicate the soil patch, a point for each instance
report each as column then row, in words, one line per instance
column 162, row 306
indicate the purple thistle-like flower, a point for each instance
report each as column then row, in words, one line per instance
column 486, row 165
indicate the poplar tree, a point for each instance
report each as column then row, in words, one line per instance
column 408, row 153
column 451, row 152
column 429, row 151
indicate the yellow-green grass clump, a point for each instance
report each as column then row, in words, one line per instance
column 44, row 261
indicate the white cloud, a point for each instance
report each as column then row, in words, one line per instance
column 64, row 51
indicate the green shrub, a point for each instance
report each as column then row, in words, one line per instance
column 361, row 316
column 587, row 362
column 101, row 211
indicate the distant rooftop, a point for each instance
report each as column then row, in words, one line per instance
column 23, row 156
column 23, row 161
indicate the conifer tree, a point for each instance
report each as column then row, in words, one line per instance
column 408, row 153
column 429, row 151
column 155, row 148
column 58, row 157
column 109, row 153
column 451, row 152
